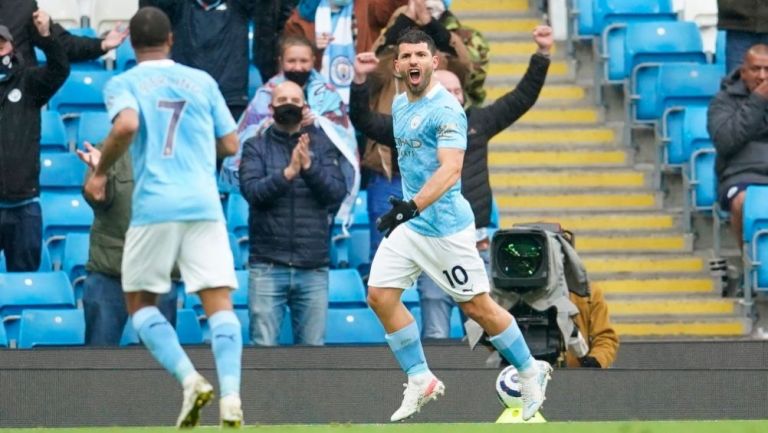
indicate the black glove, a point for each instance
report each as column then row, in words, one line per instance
column 401, row 212
column 589, row 362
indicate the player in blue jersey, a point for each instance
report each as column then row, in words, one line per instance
column 175, row 121
column 432, row 230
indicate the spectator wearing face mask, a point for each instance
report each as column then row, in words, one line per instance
column 291, row 178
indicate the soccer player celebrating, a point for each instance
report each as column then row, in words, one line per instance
column 175, row 121
column 438, row 236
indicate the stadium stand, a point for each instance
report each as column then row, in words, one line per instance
column 53, row 133
column 106, row 14
column 51, row 328
column 61, row 172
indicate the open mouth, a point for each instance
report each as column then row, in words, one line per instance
column 414, row 76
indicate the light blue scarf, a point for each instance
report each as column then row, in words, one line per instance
column 339, row 56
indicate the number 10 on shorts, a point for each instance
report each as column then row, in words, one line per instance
column 457, row 276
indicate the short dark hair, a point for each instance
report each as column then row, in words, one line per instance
column 416, row 36
column 294, row 40
column 149, row 28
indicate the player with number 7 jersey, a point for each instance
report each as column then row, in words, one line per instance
column 175, row 121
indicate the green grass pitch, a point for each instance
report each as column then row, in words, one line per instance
column 553, row 427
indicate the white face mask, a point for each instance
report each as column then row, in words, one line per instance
column 436, row 8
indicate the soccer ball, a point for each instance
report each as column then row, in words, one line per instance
column 508, row 388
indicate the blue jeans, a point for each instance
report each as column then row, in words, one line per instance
column 379, row 190
column 105, row 311
column 21, row 233
column 272, row 287
column 737, row 43
column 436, row 305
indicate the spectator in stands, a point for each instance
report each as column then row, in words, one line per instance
column 212, row 35
column 737, row 123
column 268, row 22
column 15, row 15
column 382, row 172
column 292, row 181
column 103, row 300
column 746, row 24
column 24, row 90
column 338, row 36
column 483, row 123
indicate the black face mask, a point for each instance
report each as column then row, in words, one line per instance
column 288, row 115
column 298, row 77
column 6, row 67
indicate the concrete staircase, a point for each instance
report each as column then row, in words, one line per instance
column 564, row 162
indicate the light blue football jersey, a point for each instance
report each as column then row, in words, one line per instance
column 181, row 113
column 421, row 128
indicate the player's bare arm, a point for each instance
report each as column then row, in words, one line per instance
column 451, row 162
column 227, row 145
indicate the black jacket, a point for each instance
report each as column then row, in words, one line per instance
column 737, row 123
column 21, row 98
column 215, row 41
column 482, row 124
column 744, row 15
column 289, row 221
column 17, row 16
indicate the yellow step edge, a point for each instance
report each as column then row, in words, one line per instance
column 620, row 179
column 547, row 93
column 575, row 201
column 599, row 222
column 691, row 329
column 556, row 158
column 517, row 69
column 604, row 265
column 657, row 285
column 515, row 48
column 633, row 243
column 485, row 5
column 598, row 136
column 561, row 116
column 515, row 25
column 670, row 306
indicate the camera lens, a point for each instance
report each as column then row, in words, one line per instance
column 520, row 256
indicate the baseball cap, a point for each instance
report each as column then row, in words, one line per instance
column 5, row 33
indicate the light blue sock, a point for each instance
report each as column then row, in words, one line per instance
column 227, row 345
column 406, row 345
column 511, row 345
column 163, row 343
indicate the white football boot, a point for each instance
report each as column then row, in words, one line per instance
column 197, row 393
column 417, row 393
column 533, row 388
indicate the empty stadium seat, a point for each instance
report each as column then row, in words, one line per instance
column 353, row 325
column 105, row 14
column 130, row 337
column 704, row 14
column 411, row 296
column 51, row 328
column 237, row 216
column 583, row 15
column 81, row 92
column 755, row 237
column 240, row 259
column 628, row 45
column 53, row 133
column 63, row 212
column 240, row 296
column 21, row 290
column 125, row 57
column 61, row 171
column 353, row 251
column 75, row 257
column 457, row 327
column 608, row 12
column 657, row 88
column 345, row 288
column 188, row 327
column 684, row 132
column 93, row 127
column 65, row 12
column 254, row 80
column 3, row 336
column 703, row 181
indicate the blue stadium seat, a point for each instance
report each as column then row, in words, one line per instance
column 61, row 171
column 353, row 251
column 93, row 127
column 3, row 336
column 240, row 257
column 125, row 56
column 76, row 247
column 51, row 328
column 53, row 133
column 237, row 216
column 240, row 296
column 583, row 18
column 755, row 237
column 353, row 325
column 81, row 92
column 657, row 88
column 20, row 290
column 63, row 212
column 703, row 180
column 608, row 12
column 457, row 327
column 345, row 288
column 625, row 46
column 130, row 337
column 418, row 317
column 411, row 296
column 188, row 327
column 684, row 132
column 720, row 51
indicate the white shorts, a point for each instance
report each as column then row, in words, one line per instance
column 201, row 249
column 452, row 262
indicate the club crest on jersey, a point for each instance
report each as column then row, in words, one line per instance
column 415, row 121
